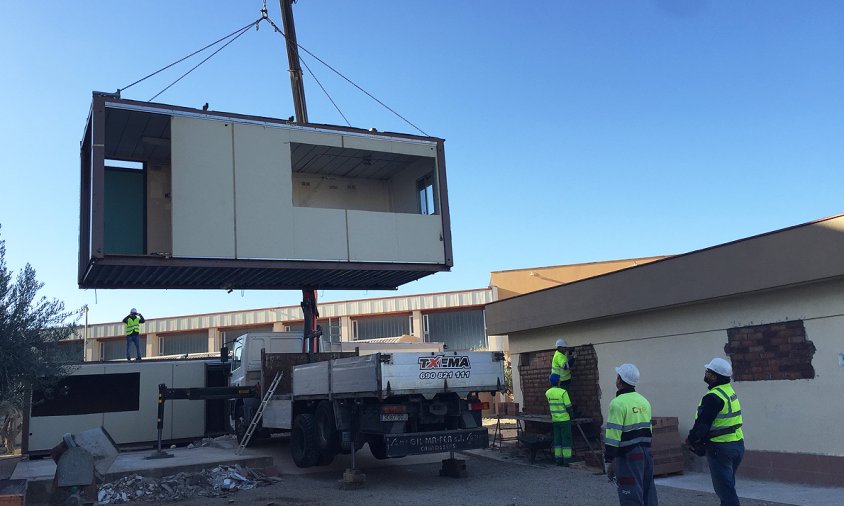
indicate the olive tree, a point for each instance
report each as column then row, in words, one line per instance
column 30, row 328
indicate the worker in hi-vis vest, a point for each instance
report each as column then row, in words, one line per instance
column 627, row 442
column 561, row 364
column 133, row 323
column 717, row 431
column 560, row 407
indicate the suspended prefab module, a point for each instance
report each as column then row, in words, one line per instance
column 173, row 197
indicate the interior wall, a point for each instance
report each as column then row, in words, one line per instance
column 159, row 209
column 670, row 347
column 340, row 193
column 403, row 186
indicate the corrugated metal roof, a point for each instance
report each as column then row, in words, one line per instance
column 268, row 316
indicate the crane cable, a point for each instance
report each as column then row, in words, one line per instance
column 317, row 58
column 188, row 56
column 242, row 31
column 311, row 72
column 237, row 34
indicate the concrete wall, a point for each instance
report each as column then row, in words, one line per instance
column 670, row 347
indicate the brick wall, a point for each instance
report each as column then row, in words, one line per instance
column 775, row 351
column 585, row 394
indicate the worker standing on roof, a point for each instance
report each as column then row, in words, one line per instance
column 717, row 430
column 133, row 323
column 560, row 407
column 627, row 442
column 561, row 364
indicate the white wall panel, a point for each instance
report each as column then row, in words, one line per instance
column 320, row 234
column 390, row 146
column 318, row 138
column 420, row 238
column 264, row 202
column 203, row 188
column 372, row 237
column 141, row 425
column 188, row 419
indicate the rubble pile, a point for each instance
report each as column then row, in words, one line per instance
column 226, row 442
column 206, row 483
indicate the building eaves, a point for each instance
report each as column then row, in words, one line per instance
column 796, row 255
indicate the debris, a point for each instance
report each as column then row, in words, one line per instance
column 206, row 483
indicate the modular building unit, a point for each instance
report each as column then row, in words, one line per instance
column 122, row 397
column 173, row 197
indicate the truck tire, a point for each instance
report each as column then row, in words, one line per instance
column 377, row 448
column 303, row 442
column 326, row 433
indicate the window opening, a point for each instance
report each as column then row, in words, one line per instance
column 425, row 192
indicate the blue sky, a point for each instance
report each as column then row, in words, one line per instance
column 575, row 131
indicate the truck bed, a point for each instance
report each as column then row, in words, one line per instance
column 383, row 375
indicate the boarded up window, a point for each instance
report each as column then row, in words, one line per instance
column 459, row 330
column 384, row 326
column 777, row 351
column 116, row 349
column 183, row 344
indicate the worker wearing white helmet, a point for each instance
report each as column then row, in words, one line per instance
column 561, row 364
column 133, row 323
column 717, row 432
column 627, row 441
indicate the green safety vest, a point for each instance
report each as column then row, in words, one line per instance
column 133, row 325
column 629, row 421
column 559, row 404
column 560, row 366
column 726, row 427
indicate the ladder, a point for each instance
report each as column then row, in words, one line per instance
column 258, row 414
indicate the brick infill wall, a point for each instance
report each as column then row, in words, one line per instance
column 585, row 394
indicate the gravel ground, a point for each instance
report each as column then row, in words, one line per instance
column 490, row 482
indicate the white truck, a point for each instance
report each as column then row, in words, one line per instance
column 400, row 403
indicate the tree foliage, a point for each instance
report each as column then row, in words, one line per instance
column 30, row 328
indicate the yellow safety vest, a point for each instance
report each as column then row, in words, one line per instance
column 629, row 421
column 559, row 404
column 133, row 325
column 726, row 427
column 560, row 366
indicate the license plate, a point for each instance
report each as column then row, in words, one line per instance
column 394, row 417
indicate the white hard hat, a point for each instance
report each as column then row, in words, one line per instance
column 133, row 310
column 561, row 342
column 720, row 366
column 628, row 373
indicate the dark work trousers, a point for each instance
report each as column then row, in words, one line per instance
column 634, row 475
column 562, row 441
column 724, row 460
column 130, row 340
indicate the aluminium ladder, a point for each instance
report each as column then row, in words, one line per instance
column 259, row 414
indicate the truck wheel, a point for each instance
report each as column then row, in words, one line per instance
column 303, row 443
column 239, row 429
column 377, row 448
column 326, row 433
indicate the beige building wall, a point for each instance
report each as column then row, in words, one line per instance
column 671, row 346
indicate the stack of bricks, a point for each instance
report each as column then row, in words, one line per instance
column 666, row 448
column 778, row 351
column 508, row 408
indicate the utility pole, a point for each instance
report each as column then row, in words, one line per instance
column 85, row 333
column 296, row 83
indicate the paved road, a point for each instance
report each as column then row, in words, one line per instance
column 490, row 482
